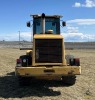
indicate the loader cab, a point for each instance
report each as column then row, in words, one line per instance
column 43, row 24
column 52, row 25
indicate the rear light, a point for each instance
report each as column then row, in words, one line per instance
column 75, row 62
column 19, row 62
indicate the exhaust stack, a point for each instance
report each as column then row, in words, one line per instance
column 43, row 23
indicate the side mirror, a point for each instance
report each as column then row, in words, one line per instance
column 28, row 24
column 63, row 23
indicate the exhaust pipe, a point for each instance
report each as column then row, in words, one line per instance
column 43, row 23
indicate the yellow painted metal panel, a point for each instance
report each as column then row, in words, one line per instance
column 47, row 36
column 53, row 71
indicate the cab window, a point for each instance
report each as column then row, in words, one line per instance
column 50, row 24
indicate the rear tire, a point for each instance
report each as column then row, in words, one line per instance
column 69, row 80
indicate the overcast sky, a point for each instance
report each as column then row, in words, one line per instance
column 79, row 15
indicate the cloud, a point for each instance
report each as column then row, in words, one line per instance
column 9, row 37
column 73, row 35
column 88, row 4
column 26, row 36
column 78, row 37
column 82, row 21
column 71, row 29
column 77, row 4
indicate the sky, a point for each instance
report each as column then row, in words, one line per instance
column 78, row 14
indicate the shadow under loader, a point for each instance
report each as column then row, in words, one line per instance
column 9, row 87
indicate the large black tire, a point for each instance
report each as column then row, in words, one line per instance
column 28, row 60
column 69, row 80
column 24, row 81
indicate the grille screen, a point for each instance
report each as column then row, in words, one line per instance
column 48, row 51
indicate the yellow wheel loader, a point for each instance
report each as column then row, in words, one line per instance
column 47, row 59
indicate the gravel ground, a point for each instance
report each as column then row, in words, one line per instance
column 84, row 89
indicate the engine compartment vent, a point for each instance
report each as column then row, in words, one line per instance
column 48, row 50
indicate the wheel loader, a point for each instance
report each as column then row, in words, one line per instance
column 47, row 59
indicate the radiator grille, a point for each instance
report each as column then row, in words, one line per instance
column 48, row 51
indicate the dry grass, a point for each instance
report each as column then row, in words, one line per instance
column 84, row 89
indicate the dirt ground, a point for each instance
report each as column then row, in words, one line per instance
column 84, row 89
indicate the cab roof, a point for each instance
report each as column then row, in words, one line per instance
column 46, row 16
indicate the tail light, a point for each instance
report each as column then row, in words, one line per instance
column 75, row 62
column 18, row 62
